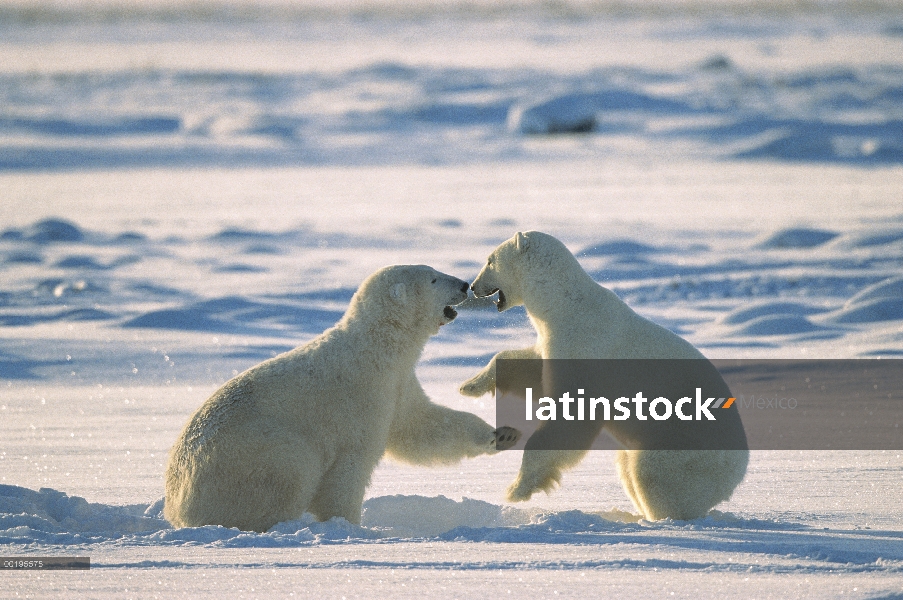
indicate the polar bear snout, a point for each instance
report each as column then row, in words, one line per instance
column 461, row 288
column 458, row 294
column 464, row 287
column 484, row 291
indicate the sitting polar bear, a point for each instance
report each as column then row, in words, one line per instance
column 304, row 430
column 575, row 318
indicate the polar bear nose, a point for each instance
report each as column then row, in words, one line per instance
column 465, row 286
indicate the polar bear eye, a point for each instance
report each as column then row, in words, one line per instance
column 434, row 281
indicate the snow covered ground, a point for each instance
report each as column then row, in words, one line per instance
column 184, row 193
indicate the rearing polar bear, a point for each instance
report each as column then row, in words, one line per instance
column 576, row 318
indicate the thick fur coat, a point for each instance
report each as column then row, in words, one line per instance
column 576, row 318
column 303, row 432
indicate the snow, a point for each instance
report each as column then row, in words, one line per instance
column 187, row 193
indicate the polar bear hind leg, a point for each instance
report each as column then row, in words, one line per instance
column 342, row 488
column 265, row 490
column 679, row 484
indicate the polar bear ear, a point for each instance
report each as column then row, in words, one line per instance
column 520, row 241
column 398, row 292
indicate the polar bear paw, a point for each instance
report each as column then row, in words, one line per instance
column 522, row 489
column 504, row 438
column 477, row 386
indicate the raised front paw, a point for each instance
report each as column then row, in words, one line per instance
column 505, row 437
column 477, row 386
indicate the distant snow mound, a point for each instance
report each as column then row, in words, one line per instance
column 47, row 231
column 879, row 238
column 79, row 262
column 718, row 62
column 887, row 309
column 236, row 314
column 579, row 112
column 890, row 289
column 24, row 258
column 574, row 113
column 798, row 238
column 778, row 325
column 882, row 301
column 773, row 318
column 746, row 314
column 54, row 230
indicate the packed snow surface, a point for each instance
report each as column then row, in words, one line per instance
column 187, row 191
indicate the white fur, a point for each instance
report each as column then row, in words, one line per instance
column 304, row 431
column 574, row 317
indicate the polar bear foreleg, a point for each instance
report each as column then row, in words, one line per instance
column 484, row 381
column 425, row 433
column 435, row 434
column 542, row 470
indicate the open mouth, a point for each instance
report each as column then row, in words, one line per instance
column 450, row 313
column 500, row 303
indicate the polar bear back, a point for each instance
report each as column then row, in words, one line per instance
column 300, row 383
column 576, row 317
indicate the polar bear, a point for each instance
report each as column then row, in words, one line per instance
column 576, row 318
column 304, row 431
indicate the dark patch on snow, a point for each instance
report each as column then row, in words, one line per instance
column 878, row 239
column 75, row 314
column 129, row 237
column 24, row 258
column 617, row 248
column 113, row 127
column 718, row 62
column 259, row 353
column 17, row 368
column 798, row 238
column 236, row 234
column 239, row 268
column 80, row 262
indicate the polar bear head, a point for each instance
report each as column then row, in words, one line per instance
column 503, row 272
column 529, row 257
column 409, row 296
